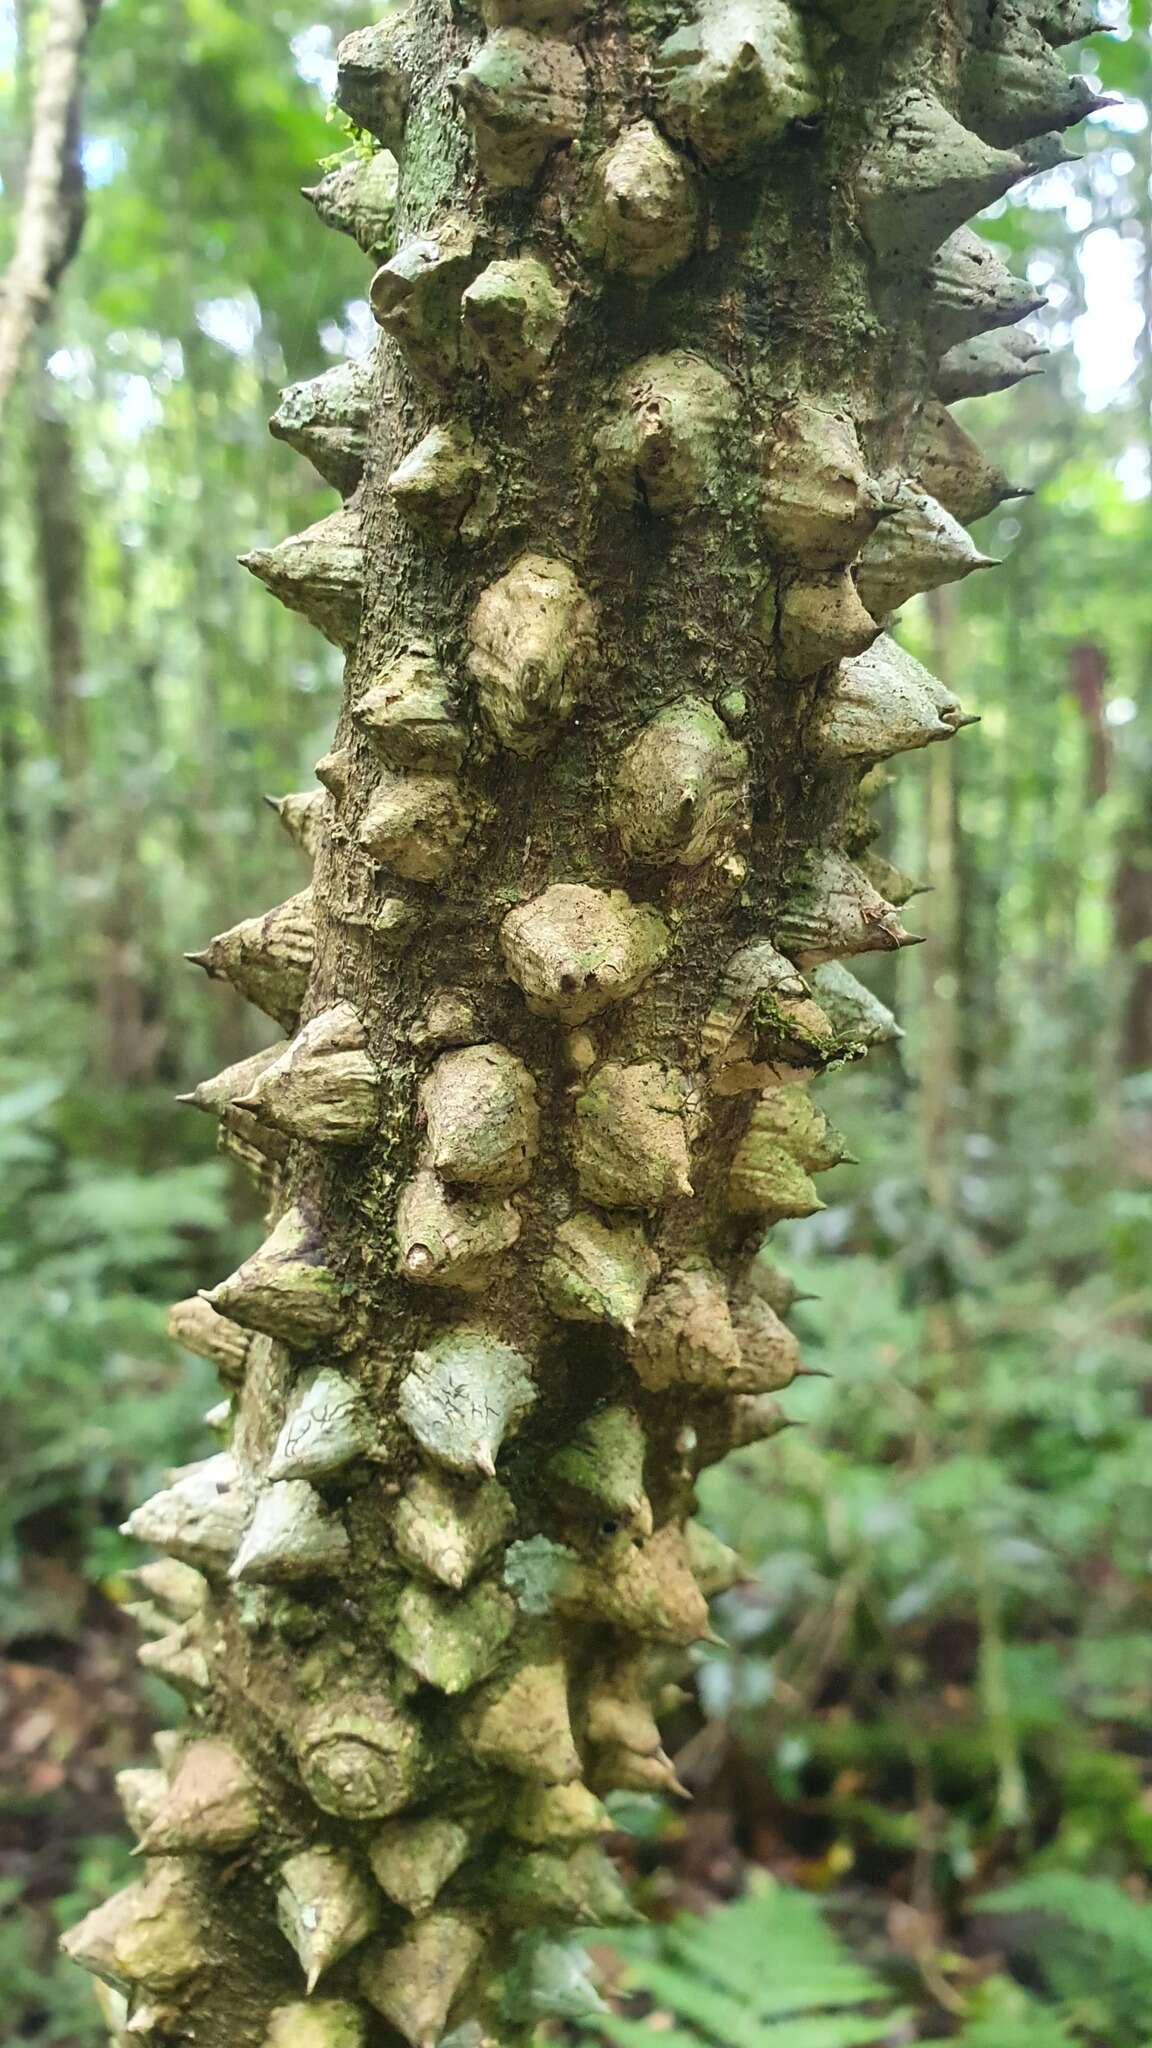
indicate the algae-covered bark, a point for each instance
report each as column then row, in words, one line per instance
column 652, row 444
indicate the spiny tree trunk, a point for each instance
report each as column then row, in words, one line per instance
column 652, row 446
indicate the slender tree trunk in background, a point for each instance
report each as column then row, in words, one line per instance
column 1132, row 911
column 51, row 215
column 21, row 920
column 1132, row 883
column 640, row 466
column 1088, row 683
column 116, row 966
column 14, row 823
column 60, row 567
column 943, row 1096
column 42, row 165
column 230, row 1038
column 939, row 1078
column 131, row 1039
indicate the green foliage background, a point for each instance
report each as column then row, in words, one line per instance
column 935, row 1708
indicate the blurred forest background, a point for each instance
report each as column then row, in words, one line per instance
column 935, row 1712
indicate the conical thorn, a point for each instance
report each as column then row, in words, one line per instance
column 674, row 1785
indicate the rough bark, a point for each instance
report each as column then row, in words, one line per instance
column 52, row 197
column 651, row 447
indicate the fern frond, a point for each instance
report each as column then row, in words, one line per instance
column 801, row 1983
column 832, row 2031
column 766, row 1972
column 1041, row 2029
column 636, row 2034
column 1091, row 1945
column 824, row 2031
column 1091, row 1905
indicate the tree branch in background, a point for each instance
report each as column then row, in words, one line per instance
column 52, row 205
